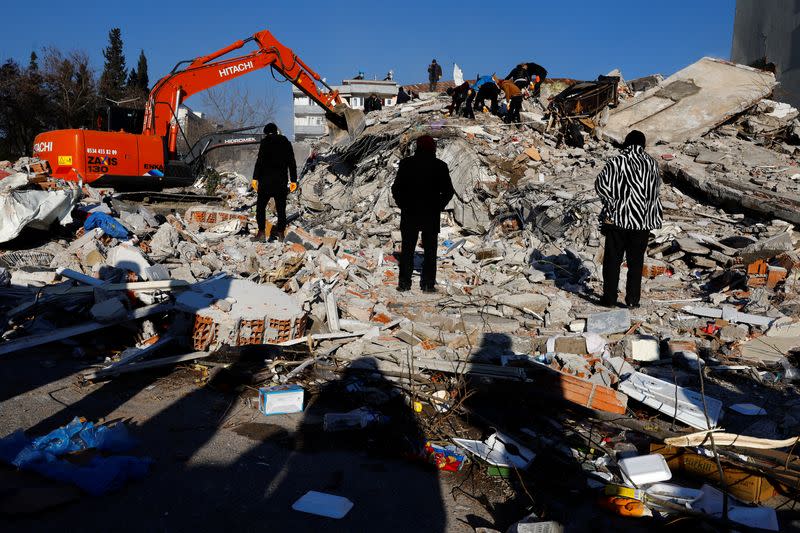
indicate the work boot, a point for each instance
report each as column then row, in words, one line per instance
column 259, row 237
column 403, row 286
column 608, row 302
column 428, row 288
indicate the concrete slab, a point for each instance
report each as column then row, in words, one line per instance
column 691, row 102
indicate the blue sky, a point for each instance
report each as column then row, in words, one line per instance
column 578, row 39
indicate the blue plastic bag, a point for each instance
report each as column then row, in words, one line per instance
column 110, row 225
column 102, row 474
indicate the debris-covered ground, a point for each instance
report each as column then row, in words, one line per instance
column 508, row 395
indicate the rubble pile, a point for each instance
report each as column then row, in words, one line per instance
column 516, row 310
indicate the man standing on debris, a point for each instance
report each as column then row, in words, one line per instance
column 421, row 190
column 373, row 103
column 628, row 187
column 434, row 75
column 274, row 167
column 513, row 97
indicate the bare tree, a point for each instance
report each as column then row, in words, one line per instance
column 71, row 87
column 232, row 106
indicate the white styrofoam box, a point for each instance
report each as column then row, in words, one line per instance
column 645, row 469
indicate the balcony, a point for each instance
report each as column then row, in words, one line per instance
column 317, row 129
column 302, row 110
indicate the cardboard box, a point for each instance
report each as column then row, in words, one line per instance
column 280, row 399
column 747, row 486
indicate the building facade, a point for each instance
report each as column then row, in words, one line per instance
column 766, row 34
column 309, row 118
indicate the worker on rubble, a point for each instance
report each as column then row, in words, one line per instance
column 402, row 96
column 372, row 103
column 485, row 89
column 513, row 96
column 460, row 95
column 434, row 75
column 421, row 190
column 527, row 74
column 628, row 188
column 275, row 166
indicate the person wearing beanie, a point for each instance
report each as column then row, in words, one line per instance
column 275, row 166
column 422, row 189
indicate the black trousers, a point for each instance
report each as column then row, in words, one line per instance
column 468, row 109
column 409, row 234
column 514, row 107
column 480, row 101
column 264, row 194
column 633, row 245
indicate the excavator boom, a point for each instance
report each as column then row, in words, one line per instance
column 207, row 71
column 150, row 160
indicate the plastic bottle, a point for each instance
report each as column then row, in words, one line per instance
column 356, row 419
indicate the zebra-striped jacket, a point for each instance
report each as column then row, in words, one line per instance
column 628, row 188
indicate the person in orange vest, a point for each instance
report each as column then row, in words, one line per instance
column 513, row 98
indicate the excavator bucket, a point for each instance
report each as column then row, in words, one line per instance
column 345, row 123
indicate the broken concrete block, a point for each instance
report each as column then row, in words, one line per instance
column 157, row 272
column 164, row 242
column 768, row 247
column 557, row 312
column 577, row 326
column 692, row 247
column 609, row 322
column 526, row 301
column 643, row 348
column 110, row 310
column 304, row 238
column 260, row 314
column 127, row 258
column 571, row 345
column 733, row 333
column 36, row 278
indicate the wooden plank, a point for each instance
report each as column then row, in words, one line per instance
column 164, row 361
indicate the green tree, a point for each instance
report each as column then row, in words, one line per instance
column 142, row 80
column 70, row 85
column 23, row 108
column 133, row 79
column 33, row 65
column 114, row 76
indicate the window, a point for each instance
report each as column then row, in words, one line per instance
column 301, row 100
column 388, row 101
column 356, row 101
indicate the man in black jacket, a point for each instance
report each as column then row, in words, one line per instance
column 434, row 75
column 372, row 103
column 492, row 92
column 274, row 167
column 460, row 95
column 628, row 187
column 421, row 190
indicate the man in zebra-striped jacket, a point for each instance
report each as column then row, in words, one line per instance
column 628, row 187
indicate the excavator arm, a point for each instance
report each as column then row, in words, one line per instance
column 207, row 71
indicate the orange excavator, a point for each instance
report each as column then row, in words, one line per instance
column 150, row 160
